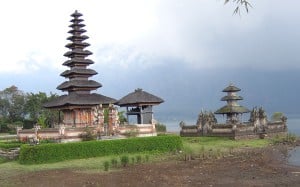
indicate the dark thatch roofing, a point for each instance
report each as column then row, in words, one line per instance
column 78, row 71
column 77, row 52
column 232, row 110
column 75, row 99
column 231, row 88
column 76, row 44
column 139, row 97
column 78, row 61
column 76, row 14
column 79, row 84
column 231, row 97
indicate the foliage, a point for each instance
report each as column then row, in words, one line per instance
column 138, row 159
column 88, row 135
column 287, row 139
column 133, row 132
column 12, row 102
column 216, row 145
column 2, row 160
column 240, row 3
column 124, row 160
column 122, row 117
column 9, row 145
column 114, row 162
column 27, row 108
column 160, row 127
column 277, row 116
column 106, row 165
column 47, row 153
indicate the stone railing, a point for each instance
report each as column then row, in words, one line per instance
column 10, row 153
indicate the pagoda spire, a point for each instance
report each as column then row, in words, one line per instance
column 232, row 109
column 78, row 84
column 78, row 74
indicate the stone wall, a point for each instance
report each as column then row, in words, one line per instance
column 236, row 131
column 10, row 153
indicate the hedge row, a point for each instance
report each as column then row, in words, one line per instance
column 48, row 153
column 8, row 145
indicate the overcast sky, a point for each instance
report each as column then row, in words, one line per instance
column 185, row 51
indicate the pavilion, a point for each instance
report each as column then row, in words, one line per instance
column 140, row 104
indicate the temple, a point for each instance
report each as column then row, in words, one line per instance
column 77, row 106
column 80, row 109
column 232, row 110
column 258, row 126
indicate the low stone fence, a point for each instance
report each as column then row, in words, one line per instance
column 10, row 153
column 140, row 129
column 238, row 131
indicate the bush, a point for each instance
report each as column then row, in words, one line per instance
column 124, row 160
column 114, row 162
column 138, row 159
column 160, row 127
column 9, row 145
column 87, row 135
column 47, row 153
column 106, row 165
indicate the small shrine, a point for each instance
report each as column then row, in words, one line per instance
column 258, row 126
column 140, row 103
column 232, row 110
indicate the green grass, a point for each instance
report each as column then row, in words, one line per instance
column 89, row 165
column 199, row 145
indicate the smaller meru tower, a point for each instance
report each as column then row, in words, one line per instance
column 232, row 110
column 77, row 106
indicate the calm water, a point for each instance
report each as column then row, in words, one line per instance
column 293, row 127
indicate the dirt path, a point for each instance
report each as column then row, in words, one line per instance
column 256, row 168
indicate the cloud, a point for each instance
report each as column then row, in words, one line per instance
column 136, row 33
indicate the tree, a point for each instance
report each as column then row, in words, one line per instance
column 34, row 105
column 37, row 113
column 12, row 103
column 277, row 116
column 122, row 118
column 240, row 3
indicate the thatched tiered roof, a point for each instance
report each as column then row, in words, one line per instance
column 139, row 98
column 232, row 106
column 78, row 84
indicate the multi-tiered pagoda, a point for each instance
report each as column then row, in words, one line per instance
column 232, row 110
column 78, row 103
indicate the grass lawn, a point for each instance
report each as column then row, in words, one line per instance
column 200, row 145
column 13, row 168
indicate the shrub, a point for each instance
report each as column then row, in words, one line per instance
column 47, row 153
column 124, row 160
column 106, row 165
column 132, row 160
column 114, row 162
column 160, row 127
column 87, row 135
column 8, row 145
column 138, row 159
column 147, row 158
